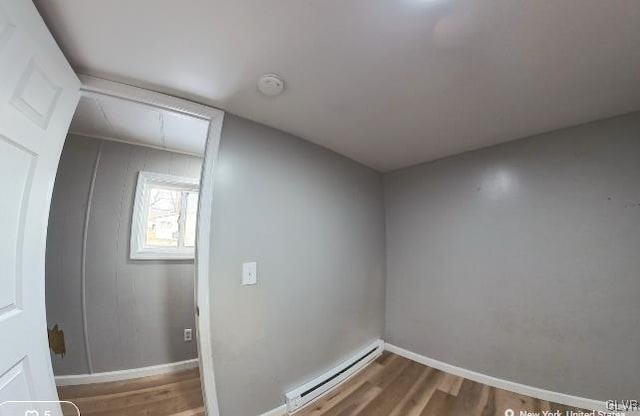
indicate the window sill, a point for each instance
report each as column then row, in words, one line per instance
column 162, row 255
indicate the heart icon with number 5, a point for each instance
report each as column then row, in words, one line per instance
column 31, row 413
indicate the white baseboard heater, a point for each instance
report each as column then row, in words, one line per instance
column 301, row 396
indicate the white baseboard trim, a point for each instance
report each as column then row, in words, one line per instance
column 126, row 374
column 535, row 392
column 278, row 411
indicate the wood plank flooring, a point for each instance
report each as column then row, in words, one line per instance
column 390, row 386
column 395, row 386
column 177, row 394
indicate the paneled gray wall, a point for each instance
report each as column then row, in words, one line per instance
column 313, row 221
column 136, row 310
column 64, row 251
column 521, row 261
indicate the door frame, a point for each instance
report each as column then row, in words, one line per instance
column 92, row 86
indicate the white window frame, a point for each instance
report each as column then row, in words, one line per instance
column 138, row 250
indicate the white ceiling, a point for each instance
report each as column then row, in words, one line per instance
column 389, row 83
column 117, row 119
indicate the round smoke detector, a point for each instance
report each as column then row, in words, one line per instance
column 270, row 85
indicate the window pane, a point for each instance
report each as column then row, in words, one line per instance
column 163, row 217
column 190, row 220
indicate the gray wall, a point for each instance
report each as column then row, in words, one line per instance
column 521, row 261
column 313, row 221
column 64, row 253
column 136, row 310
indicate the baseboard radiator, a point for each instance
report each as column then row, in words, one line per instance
column 305, row 394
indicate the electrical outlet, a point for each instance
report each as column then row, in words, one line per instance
column 188, row 334
column 250, row 273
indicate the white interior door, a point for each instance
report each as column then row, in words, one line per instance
column 38, row 95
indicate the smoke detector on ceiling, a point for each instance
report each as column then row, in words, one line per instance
column 270, row 85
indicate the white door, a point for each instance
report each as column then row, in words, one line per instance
column 38, row 96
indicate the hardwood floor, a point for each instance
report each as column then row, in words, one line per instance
column 395, row 386
column 176, row 394
column 390, row 386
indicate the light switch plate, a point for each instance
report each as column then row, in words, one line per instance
column 249, row 273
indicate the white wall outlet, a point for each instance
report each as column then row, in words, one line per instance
column 188, row 334
column 250, row 273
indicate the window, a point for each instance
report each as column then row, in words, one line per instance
column 164, row 217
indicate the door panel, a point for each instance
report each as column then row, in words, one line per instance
column 15, row 383
column 18, row 163
column 38, row 95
